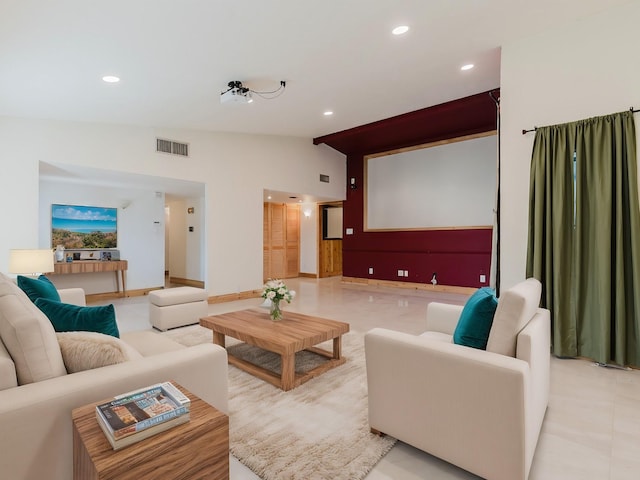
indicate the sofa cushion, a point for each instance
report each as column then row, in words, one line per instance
column 40, row 287
column 28, row 336
column 88, row 350
column 68, row 318
column 149, row 343
column 516, row 306
column 437, row 336
column 475, row 319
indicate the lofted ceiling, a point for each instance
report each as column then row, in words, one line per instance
column 174, row 58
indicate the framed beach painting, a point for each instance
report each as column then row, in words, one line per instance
column 78, row 227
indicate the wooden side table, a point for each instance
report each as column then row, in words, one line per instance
column 197, row 449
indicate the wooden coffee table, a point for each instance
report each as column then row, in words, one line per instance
column 294, row 333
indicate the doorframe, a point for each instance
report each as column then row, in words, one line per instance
column 321, row 241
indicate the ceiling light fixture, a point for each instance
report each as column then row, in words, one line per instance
column 468, row 66
column 238, row 93
column 328, row 113
column 400, row 30
column 111, row 79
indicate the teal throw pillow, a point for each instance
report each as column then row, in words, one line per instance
column 73, row 318
column 476, row 318
column 40, row 287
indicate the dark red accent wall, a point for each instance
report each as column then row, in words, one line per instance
column 457, row 256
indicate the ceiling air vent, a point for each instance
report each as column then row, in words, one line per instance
column 324, row 178
column 174, row 148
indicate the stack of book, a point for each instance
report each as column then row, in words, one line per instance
column 137, row 415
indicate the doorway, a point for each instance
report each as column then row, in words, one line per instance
column 330, row 228
column 184, row 241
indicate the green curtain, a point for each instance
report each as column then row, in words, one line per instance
column 584, row 236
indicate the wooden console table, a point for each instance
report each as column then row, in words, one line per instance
column 94, row 266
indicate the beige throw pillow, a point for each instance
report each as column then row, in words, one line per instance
column 88, row 350
column 28, row 336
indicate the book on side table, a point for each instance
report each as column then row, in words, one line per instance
column 136, row 415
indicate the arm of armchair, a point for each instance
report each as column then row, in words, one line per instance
column 442, row 317
column 464, row 405
column 74, row 296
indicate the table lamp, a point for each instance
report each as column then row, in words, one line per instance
column 30, row 261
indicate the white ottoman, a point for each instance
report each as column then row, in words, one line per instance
column 177, row 307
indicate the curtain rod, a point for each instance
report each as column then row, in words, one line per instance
column 524, row 132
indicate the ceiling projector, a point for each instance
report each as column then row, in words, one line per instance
column 236, row 94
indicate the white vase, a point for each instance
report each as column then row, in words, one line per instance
column 59, row 253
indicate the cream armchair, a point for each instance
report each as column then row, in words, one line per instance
column 480, row 410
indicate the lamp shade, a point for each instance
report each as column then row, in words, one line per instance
column 27, row 261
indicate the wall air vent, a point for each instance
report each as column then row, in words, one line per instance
column 174, row 148
column 324, row 178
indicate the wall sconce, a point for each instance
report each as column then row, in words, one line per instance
column 352, row 183
column 307, row 213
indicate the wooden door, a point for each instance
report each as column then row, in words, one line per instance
column 292, row 241
column 329, row 251
column 281, row 245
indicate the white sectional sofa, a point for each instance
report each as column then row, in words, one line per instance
column 37, row 394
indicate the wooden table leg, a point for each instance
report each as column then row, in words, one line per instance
column 218, row 339
column 124, row 286
column 288, row 377
column 337, row 347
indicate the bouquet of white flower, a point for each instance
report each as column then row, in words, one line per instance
column 274, row 291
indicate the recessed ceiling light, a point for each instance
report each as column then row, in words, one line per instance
column 269, row 197
column 328, row 113
column 400, row 30
column 111, row 79
column 468, row 66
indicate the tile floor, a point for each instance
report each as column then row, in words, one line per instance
column 591, row 429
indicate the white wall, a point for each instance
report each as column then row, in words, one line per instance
column 140, row 239
column 235, row 168
column 583, row 69
column 309, row 239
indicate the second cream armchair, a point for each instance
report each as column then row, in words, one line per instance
column 480, row 410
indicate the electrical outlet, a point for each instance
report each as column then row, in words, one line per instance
column 406, row 273
column 370, row 270
column 401, row 273
column 483, row 278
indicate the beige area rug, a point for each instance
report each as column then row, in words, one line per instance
column 316, row 431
